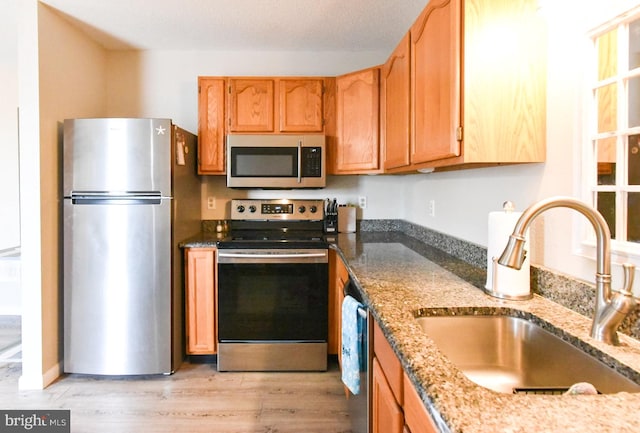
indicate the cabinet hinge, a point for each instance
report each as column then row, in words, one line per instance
column 229, row 89
column 198, row 90
column 459, row 133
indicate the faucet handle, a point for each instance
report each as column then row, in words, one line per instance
column 629, row 274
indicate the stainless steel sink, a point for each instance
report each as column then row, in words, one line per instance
column 509, row 354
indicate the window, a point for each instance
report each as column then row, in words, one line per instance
column 613, row 147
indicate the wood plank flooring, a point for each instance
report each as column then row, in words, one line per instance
column 195, row 399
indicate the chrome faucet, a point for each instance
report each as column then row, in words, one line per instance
column 610, row 309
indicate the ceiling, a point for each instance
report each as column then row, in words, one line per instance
column 256, row 25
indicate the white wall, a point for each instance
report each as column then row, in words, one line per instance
column 9, row 182
column 62, row 74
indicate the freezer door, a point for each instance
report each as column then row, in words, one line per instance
column 117, row 286
column 117, row 154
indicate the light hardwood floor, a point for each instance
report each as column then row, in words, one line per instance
column 195, row 399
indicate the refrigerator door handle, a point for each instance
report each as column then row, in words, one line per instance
column 101, row 198
column 116, row 200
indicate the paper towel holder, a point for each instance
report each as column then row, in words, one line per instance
column 493, row 289
column 499, row 294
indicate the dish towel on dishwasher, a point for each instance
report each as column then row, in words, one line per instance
column 352, row 343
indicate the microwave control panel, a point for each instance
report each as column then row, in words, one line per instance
column 311, row 162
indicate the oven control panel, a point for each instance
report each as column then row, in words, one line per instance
column 277, row 209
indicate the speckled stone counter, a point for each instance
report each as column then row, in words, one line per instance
column 400, row 277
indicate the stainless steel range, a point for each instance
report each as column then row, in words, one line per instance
column 273, row 287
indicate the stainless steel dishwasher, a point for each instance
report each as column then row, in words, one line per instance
column 360, row 404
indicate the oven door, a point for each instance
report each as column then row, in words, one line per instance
column 272, row 309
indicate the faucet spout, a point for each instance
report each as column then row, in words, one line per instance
column 514, row 255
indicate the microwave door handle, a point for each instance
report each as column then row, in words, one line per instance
column 299, row 161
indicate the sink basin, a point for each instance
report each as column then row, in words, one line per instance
column 513, row 355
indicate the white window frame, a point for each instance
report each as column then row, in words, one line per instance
column 622, row 251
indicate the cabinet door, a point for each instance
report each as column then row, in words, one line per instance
column 301, row 105
column 387, row 416
column 338, row 277
column 251, row 105
column 504, row 82
column 389, row 363
column 416, row 416
column 395, row 86
column 200, row 301
column 358, row 146
column 211, row 125
column 435, row 82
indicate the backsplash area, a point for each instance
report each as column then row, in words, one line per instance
column 570, row 292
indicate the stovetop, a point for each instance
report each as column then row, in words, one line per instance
column 275, row 223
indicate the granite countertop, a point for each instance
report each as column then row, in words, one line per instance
column 398, row 276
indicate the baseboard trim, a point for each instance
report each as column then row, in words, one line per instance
column 40, row 381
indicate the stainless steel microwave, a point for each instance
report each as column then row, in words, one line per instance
column 276, row 161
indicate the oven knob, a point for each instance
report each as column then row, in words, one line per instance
column 301, row 209
column 313, row 209
column 252, row 209
column 240, row 208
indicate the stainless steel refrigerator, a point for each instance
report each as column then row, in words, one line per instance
column 130, row 194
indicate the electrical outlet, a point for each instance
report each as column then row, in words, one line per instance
column 211, row 202
column 362, row 202
column 432, row 208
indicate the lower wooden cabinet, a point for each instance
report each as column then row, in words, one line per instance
column 200, row 301
column 416, row 417
column 338, row 277
column 386, row 414
column 396, row 406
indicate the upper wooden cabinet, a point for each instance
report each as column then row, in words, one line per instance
column 211, row 125
column 395, row 106
column 301, row 108
column 254, row 102
column 265, row 105
column 357, row 148
column 251, row 105
column 478, row 87
column 435, row 82
column 505, row 70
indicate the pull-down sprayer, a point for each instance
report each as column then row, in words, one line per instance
column 611, row 308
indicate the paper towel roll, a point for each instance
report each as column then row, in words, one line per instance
column 508, row 283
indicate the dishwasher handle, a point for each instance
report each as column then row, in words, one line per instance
column 347, row 290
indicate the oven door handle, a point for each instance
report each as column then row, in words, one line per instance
column 269, row 256
column 299, row 161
